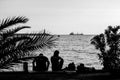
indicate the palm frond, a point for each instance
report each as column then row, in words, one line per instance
column 13, row 40
column 25, row 46
column 14, row 47
column 9, row 47
column 38, row 42
column 5, row 23
column 11, row 32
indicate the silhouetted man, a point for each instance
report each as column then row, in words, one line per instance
column 57, row 61
column 41, row 63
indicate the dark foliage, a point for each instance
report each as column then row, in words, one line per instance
column 14, row 47
column 109, row 46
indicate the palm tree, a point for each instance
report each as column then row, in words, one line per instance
column 109, row 46
column 13, row 46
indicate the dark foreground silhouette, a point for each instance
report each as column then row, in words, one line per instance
column 98, row 75
column 71, row 73
column 56, row 61
column 70, row 67
column 41, row 63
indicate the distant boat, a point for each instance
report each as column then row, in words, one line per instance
column 58, row 35
column 80, row 34
column 71, row 33
column 76, row 34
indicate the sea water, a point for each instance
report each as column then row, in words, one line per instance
column 78, row 49
column 73, row 48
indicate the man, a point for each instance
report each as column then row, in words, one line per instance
column 57, row 61
column 41, row 63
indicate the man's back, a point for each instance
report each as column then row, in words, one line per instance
column 41, row 63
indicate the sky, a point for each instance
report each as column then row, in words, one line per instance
column 64, row 16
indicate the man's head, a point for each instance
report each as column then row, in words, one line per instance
column 56, row 53
column 40, row 54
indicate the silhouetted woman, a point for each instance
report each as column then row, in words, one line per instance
column 57, row 61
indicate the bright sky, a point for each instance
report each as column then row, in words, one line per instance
column 64, row 16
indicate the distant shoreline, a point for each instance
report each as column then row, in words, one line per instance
column 75, row 35
column 51, row 34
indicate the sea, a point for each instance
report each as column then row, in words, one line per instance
column 73, row 48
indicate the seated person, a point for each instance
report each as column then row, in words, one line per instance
column 41, row 63
column 71, row 66
column 81, row 68
column 57, row 61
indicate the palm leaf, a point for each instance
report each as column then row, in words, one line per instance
column 28, row 45
column 11, row 32
column 13, row 40
column 13, row 46
column 38, row 42
column 5, row 23
column 9, row 47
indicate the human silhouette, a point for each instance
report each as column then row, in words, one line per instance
column 41, row 63
column 57, row 61
column 71, row 66
column 81, row 68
